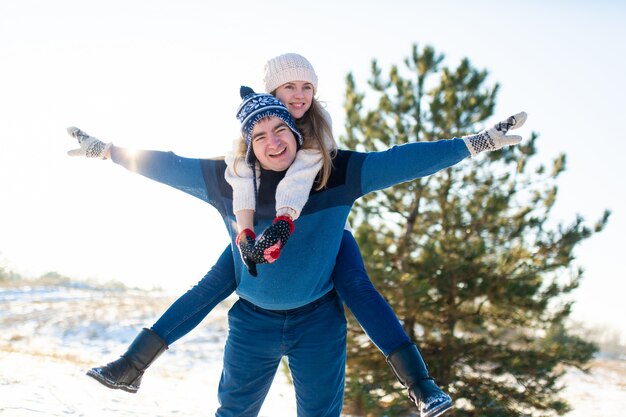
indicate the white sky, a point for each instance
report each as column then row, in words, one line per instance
column 165, row 75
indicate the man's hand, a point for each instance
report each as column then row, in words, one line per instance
column 496, row 137
column 273, row 239
column 90, row 147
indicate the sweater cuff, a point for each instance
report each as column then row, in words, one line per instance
column 243, row 201
column 293, row 202
column 287, row 211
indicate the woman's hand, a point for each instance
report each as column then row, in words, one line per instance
column 273, row 239
column 245, row 242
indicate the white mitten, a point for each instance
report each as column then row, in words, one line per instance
column 90, row 147
column 496, row 137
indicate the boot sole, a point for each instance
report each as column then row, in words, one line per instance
column 111, row 384
column 439, row 410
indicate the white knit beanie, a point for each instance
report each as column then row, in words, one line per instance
column 286, row 68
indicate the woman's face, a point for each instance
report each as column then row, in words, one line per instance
column 297, row 96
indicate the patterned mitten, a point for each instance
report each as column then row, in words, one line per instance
column 245, row 242
column 272, row 240
column 90, row 147
column 495, row 138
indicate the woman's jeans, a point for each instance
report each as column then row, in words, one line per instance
column 351, row 282
column 366, row 304
column 193, row 306
column 312, row 337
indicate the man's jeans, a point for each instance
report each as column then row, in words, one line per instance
column 349, row 277
column 313, row 338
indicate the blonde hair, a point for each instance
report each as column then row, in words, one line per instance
column 314, row 127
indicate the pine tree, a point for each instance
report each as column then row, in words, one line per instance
column 469, row 259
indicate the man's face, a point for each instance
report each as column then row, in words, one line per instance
column 273, row 144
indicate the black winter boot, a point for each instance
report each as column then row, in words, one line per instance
column 125, row 373
column 411, row 370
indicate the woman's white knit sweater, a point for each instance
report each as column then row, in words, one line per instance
column 292, row 192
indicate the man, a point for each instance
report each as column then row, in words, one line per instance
column 291, row 309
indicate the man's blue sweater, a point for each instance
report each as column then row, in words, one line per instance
column 302, row 274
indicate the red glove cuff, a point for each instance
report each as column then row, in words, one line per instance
column 286, row 219
column 245, row 233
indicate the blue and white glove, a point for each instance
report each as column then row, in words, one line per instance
column 496, row 137
column 90, row 147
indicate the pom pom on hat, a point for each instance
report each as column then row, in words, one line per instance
column 245, row 91
column 256, row 107
column 286, row 68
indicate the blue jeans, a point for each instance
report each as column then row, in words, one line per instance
column 193, row 306
column 351, row 282
column 371, row 310
column 313, row 338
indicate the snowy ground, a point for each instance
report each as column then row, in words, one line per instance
column 52, row 334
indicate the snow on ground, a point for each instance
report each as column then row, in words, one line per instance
column 599, row 393
column 52, row 334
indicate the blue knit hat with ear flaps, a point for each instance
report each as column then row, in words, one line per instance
column 256, row 107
